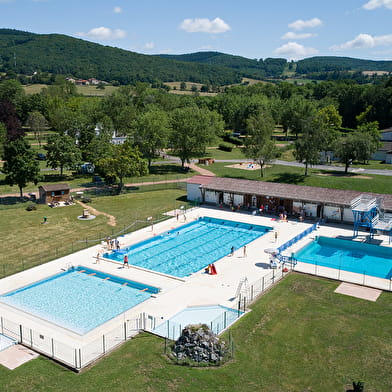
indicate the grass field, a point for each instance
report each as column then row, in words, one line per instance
column 84, row 90
column 319, row 178
column 27, row 242
column 300, row 336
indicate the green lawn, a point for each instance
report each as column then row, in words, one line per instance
column 319, row 178
column 27, row 242
column 300, row 336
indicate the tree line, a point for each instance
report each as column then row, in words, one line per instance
column 342, row 117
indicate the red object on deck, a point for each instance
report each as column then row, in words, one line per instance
column 213, row 270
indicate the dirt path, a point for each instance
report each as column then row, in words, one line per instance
column 112, row 219
column 201, row 170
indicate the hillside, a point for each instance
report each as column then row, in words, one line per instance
column 61, row 54
column 258, row 69
column 331, row 64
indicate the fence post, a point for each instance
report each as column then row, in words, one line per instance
column 20, row 333
column 76, row 359
column 80, row 358
column 2, row 324
column 31, row 338
column 262, row 288
column 103, row 344
column 125, row 330
column 52, row 348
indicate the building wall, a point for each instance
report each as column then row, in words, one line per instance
column 387, row 136
column 193, row 192
column 332, row 213
column 211, row 197
column 348, row 215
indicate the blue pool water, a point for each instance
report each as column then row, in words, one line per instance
column 79, row 299
column 217, row 318
column 373, row 260
column 191, row 247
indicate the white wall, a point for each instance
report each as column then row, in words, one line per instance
column 310, row 209
column 332, row 213
column 210, row 197
column 348, row 215
column 238, row 199
column 193, row 192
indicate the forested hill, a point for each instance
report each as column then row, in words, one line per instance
column 26, row 53
column 259, row 69
column 332, row 64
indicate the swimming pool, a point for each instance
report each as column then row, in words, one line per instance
column 216, row 317
column 191, row 247
column 79, row 299
column 368, row 259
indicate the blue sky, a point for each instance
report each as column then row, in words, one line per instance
column 292, row 29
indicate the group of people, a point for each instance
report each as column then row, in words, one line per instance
column 112, row 243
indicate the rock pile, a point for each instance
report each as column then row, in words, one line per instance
column 198, row 343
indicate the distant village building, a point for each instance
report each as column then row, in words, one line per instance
column 384, row 153
column 118, row 139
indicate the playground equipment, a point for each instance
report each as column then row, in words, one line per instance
column 368, row 212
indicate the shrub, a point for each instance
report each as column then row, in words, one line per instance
column 225, row 147
column 86, row 199
column 31, row 207
column 232, row 139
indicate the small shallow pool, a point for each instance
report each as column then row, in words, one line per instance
column 353, row 256
column 79, row 299
column 216, row 317
column 191, row 247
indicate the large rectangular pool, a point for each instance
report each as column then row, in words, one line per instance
column 353, row 256
column 191, row 247
column 79, row 299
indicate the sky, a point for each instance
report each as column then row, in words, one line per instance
column 292, row 29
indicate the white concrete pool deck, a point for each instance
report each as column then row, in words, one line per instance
column 176, row 294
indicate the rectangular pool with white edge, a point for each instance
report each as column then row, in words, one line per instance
column 189, row 248
column 216, row 317
column 353, row 256
column 79, row 299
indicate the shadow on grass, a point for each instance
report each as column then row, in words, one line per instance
column 288, row 178
column 12, row 200
column 166, row 169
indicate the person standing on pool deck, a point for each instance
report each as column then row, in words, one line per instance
column 126, row 261
column 232, row 251
column 244, row 250
column 98, row 258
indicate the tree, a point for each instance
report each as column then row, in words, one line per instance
column 125, row 161
column 3, row 138
column 37, row 123
column 62, row 152
column 192, row 130
column 313, row 139
column 11, row 121
column 259, row 145
column 150, row 133
column 346, row 149
column 368, row 139
column 20, row 166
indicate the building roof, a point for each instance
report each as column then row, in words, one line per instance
column 200, row 180
column 310, row 194
column 55, row 187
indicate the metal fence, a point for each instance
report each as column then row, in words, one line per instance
column 73, row 356
column 361, row 278
column 250, row 292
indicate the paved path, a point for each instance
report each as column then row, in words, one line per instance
column 112, row 219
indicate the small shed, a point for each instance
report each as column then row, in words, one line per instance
column 54, row 193
column 206, row 161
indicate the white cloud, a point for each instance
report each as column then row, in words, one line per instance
column 305, row 24
column 292, row 35
column 293, row 50
column 373, row 4
column 117, row 10
column 205, row 25
column 103, row 33
column 149, row 45
column 364, row 41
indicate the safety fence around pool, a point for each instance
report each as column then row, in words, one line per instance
column 331, row 272
column 74, row 356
